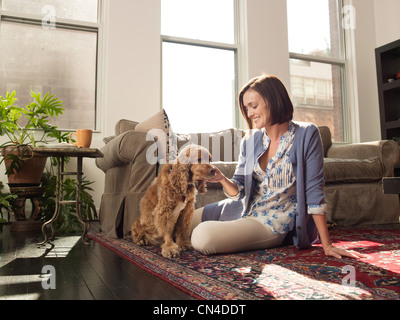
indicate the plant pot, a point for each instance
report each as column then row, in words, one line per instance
column 31, row 171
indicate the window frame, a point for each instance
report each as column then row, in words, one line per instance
column 236, row 48
column 342, row 63
column 78, row 25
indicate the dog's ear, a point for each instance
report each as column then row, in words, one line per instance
column 164, row 174
column 201, row 186
column 179, row 178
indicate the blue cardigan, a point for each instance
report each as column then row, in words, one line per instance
column 307, row 158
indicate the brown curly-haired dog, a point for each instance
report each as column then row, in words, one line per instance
column 168, row 205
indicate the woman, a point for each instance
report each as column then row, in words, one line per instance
column 276, row 194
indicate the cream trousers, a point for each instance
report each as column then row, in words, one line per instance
column 213, row 237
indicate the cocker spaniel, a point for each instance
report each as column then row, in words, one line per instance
column 168, row 205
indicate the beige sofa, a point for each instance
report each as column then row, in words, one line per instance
column 353, row 176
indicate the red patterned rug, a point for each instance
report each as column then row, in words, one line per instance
column 282, row 273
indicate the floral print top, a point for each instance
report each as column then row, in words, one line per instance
column 274, row 200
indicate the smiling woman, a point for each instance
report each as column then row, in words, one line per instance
column 260, row 90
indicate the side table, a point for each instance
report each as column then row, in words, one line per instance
column 60, row 153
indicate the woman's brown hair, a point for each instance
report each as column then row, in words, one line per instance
column 275, row 95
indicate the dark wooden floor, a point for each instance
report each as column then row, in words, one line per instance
column 82, row 272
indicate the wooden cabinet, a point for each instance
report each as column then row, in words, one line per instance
column 388, row 66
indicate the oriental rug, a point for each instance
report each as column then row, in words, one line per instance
column 283, row 273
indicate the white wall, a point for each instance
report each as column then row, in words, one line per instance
column 377, row 23
column 365, row 44
column 268, row 50
column 387, row 21
column 131, row 71
column 132, row 61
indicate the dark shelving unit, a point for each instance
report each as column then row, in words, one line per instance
column 387, row 66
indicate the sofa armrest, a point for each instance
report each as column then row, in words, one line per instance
column 124, row 149
column 387, row 151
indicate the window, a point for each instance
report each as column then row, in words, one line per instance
column 317, row 64
column 199, row 63
column 52, row 46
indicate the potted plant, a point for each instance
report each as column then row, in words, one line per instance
column 27, row 127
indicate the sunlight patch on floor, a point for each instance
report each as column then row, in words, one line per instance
column 287, row 284
column 62, row 246
column 27, row 296
column 59, row 248
column 20, row 279
column 385, row 261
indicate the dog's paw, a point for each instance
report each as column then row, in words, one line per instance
column 171, row 251
column 186, row 246
column 142, row 242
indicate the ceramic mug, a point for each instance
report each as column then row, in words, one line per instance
column 83, row 138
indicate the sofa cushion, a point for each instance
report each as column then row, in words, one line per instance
column 352, row 170
column 335, row 171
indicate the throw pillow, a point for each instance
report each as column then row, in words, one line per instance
column 158, row 128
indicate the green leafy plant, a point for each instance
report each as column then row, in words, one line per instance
column 5, row 205
column 68, row 221
column 28, row 126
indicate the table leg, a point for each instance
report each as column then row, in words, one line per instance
column 60, row 201
column 84, row 224
column 59, row 196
